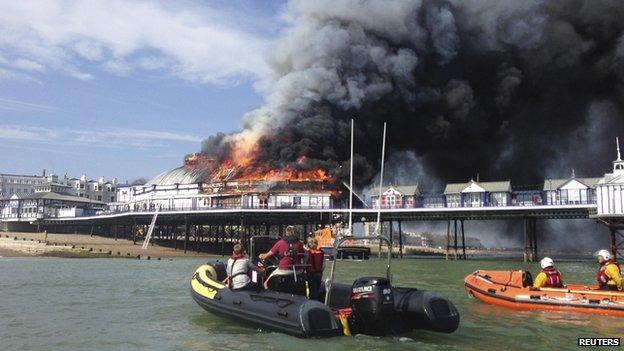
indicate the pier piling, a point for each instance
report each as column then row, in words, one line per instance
column 463, row 238
column 448, row 238
column 455, row 238
column 400, row 241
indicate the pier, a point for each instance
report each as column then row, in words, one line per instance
column 188, row 209
column 216, row 230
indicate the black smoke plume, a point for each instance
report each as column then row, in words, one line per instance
column 515, row 90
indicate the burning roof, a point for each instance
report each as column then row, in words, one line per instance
column 243, row 171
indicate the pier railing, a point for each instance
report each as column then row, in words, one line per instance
column 7, row 214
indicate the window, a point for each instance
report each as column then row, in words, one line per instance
column 391, row 201
column 99, row 197
column 296, row 200
column 313, row 201
column 564, row 197
column 498, row 199
column 452, row 200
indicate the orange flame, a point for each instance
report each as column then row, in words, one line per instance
column 242, row 165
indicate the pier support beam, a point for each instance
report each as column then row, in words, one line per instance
column 187, row 229
column 400, row 241
column 530, row 240
column 617, row 242
column 534, row 231
column 391, row 235
column 222, row 234
column 463, row 238
column 448, row 238
column 455, row 238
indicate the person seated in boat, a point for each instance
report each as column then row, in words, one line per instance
column 289, row 252
column 609, row 275
column 238, row 269
column 314, row 268
column 549, row 277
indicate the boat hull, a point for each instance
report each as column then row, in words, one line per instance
column 506, row 289
column 404, row 309
column 269, row 310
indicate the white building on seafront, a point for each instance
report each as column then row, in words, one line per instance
column 179, row 188
column 610, row 189
column 19, row 184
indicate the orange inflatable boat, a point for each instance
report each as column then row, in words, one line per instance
column 514, row 289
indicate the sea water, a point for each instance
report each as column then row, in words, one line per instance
column 119, row 304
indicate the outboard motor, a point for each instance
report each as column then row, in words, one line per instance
column 372, row 302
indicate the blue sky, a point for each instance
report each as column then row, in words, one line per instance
column 126, row 88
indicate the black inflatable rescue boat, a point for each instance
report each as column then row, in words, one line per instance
column 371, row 305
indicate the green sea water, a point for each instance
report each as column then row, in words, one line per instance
column 116, row 304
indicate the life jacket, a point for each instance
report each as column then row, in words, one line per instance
column 601, row 276
column 315, row 261
column 230, row 276
column 553, row 277
column 292, row 253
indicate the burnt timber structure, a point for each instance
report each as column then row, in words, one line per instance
column 216, row 230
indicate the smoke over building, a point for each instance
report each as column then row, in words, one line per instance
column 508, row 89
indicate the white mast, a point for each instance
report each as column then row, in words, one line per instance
column 351, row 184
column 617, row 142
column 330, row 280
column 383, row 153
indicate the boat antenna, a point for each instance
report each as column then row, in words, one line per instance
column 383, row 153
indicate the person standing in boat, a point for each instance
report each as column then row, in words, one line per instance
column 314, row 269
column 549, row 277
column 609, row 275
column 289, row 251
column 238, row 268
